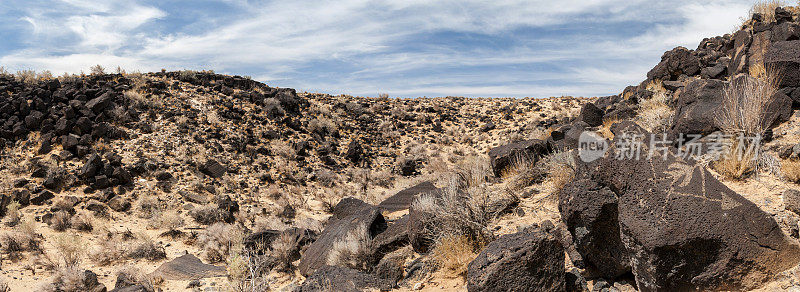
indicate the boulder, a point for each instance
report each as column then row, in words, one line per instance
column 791, row 200
column 502, row 156
column 213, row 168
column 525, row 261
column 333, row 278
column 591, row 115
column 187, row 267
column 590, row 214
column 696, row 107
column 784, row 58
column 393, row 238
column 683, row 229
column 402, row 200
column 674, row 63
column 355, row 152
column 349, row 222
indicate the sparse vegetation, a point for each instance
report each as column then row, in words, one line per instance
column 453, row 253
column 220, row 240
column 655, row 114
column 791, row 170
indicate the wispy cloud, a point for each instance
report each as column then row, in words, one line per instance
column 407, row 48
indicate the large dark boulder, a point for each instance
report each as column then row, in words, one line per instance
column 696, row 108
column 346, row 223
column 590, row 213
column 784, row 58
column 502, row 156
column 526, row 261
column 402, row 200
column 591, row 115
column 683, row 229
column 678, row 61
column 334, row 278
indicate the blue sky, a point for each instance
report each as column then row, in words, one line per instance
column 402, row 48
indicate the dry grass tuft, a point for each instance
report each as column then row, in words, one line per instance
column 766, row 8
column 207, row 214
column 734, row 166
column 744, row 108
column 353, row 251
column 22, row 239
column 453, row 253
column 82, row 222
column 219, row 240
column 655, row 114
column 560, row 168
column 145, row 248
column 791, row 170
column 60, row 221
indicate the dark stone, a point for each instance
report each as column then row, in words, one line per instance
column 260, row 241
column 574, row 281
column 591, row 115
column 683, row 229
column 163, row 176
column 340, row 227
column 99, row 103
column 696, row 108
column 393, row 238
column 791, row 200
column 590, row 213
column 403, row 199
column 187, row 267
column 228, row 207
column 674, row 85
column 502, row 156
column 355, row 152
column 713, row 72
column 333, row 278
column 674, row 63
column 524, row 261
column 213, row 169
column 784, row 57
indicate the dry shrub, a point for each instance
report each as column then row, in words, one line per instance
column 67, row 279
column 522, row 173
column 4, row 287
column 352, row 251
column 142, row 101
column 247, row 272
column 131, row 275
column 453, row 253
column 605, row 129
column 560, row 168
column 322, row 127
column 168, row 220
column 207, row 214
column 219, row 240
column 60, row 221
column 82, row 222
column 22, row 239
column 284, row 250
column 12, row 214
column 148, row 206
column 766, row 8
column 465, row 205
column 734, row 166
column 109, row 250
column 655, row 114
column 145, row 248
column 282, row 149
column 744, row 107
column 791, row 170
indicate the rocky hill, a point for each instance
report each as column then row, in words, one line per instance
column 200, row 181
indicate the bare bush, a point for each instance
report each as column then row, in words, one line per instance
column 352, row 251
column 453, row 253
column 145, row 248
column 219, row 240
column 655, row 114
column 744, row 107
column 207, row 214
column 791, row 170
column 82, row 222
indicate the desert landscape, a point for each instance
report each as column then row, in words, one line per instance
column 197, row 181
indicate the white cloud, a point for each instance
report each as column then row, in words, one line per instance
column 283, row 40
